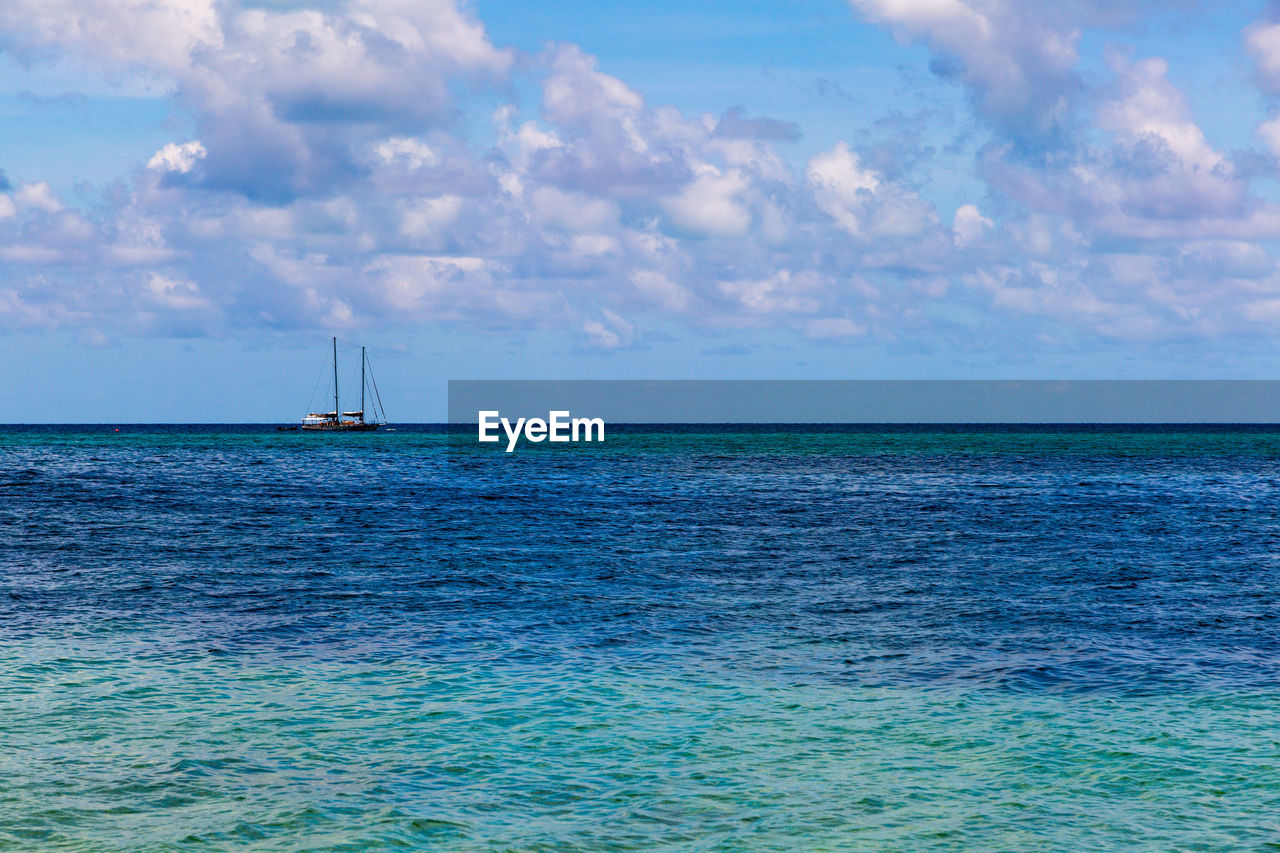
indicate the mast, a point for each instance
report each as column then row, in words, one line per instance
column 361, row 384
column 337, row 412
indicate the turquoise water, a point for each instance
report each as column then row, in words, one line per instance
column 779, row 641
column 347, row 754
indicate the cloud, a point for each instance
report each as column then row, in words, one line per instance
column 336, row 179
column 1269, row 132
column 327, row 186
column 156, row 36
column 661, row 292
column 177, row 158
column 573, row 212
column 969, row 224
column 283, row 100
column 427, row 221
column 610, row 332
column 711, row 204
column 842, row 187
column 1158, row 179
column 780, row 294
column 734, row 124
column 1171, row 168
column 1017, row 59
column 407, row 152
column 860, row 201
column 605, row 137
column 834, row 327
column 37, row 196
column 1150, row 106
column 1262, row 41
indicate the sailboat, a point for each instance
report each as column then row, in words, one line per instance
column 340, row 421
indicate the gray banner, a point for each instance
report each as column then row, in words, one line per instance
column 873, row 401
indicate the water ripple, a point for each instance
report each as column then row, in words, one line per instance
column 706, row 641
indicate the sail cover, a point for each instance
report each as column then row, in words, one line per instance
column 359, row 414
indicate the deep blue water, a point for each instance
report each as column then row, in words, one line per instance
column 1109, row 584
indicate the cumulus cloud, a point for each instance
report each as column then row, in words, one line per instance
column 969, row 224
column 37, row 196
column 609, row 332
column 283, row 99
column 406, row 151
column 158, row 36
column 1173, row 169
column 1017, row 58
column 330, row 183
column 661, row 292
column 842, row 187
column 1104, row 185
column 1269, row 132
column 781, row 293
column 861, row 202
column 711, row 204
column 1262, row 41
column 177, row 158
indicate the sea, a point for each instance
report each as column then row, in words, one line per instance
column 701, row 638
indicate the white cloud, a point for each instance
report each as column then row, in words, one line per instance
column 834, row 327
column 711, row 204
column 522, row 144
column 177, row 158
column 337, row 180
column 409, row 151
column 783, row 292
column 1017, row 58
column 860, row 201
column 37, row 196
column 1151, row 107
column 1269, row 133
column 609, row 332
column 969, row 224
column 34, row 255
column 661, row 291
column 284, row 99
column 573, row 212
column 575, row 92
column 1262, row 40
column 158, row 34
column 175, row 294
column 841, row 185
column 427, row 219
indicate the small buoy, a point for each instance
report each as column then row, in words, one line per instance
column 117, row 430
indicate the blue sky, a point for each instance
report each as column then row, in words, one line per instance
column 197, row 194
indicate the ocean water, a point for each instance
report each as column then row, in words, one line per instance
column 773, row 638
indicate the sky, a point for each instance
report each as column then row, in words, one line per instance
column 196, row 195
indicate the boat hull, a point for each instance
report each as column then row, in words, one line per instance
column 352, row 427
